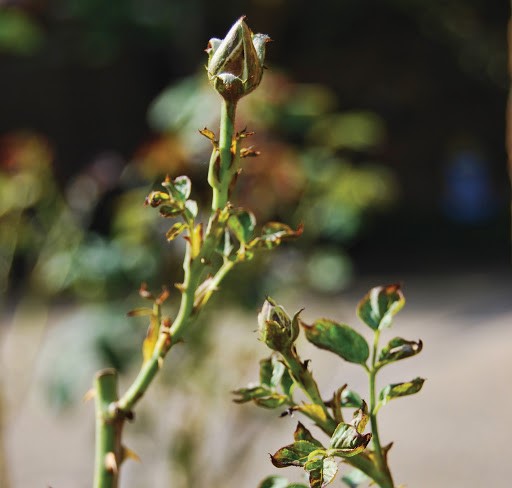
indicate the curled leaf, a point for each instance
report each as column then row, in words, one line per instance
column 175, row 231
column 295, row 454
column 261, row 396
column 399, row 348
column 179, row 188
column 361, row 418
column 156, row 198
column 209, row 135
column 248, row 394
column 140, row 312
column 273, row 233
column 249, row 152
column 379, row 305
column 346, row 441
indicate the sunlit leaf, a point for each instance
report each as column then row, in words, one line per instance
column 242, row 223
column 322, row 471
column 273, row 233
column 295, row 454
column 346, row 441
column 191, row 206
column 339, row 339
column 361, row 418
column 400, row 389
column 140, row 312
column 379, row 305
column 303, row 434
column 312, row 410
column 156, row 198
column 179, row 188
column 175, row 231
column 399, row 348
column 148, row 346
column 209, row 135
column 248, row 394
column 274, row 400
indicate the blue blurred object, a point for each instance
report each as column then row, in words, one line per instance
column 468, row 197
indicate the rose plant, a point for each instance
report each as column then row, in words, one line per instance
column 217, row 240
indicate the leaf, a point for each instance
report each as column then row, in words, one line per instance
column 179, row 188
column 312, row 410
column 322, row 471
column 242, row 223
column 148, row 346
column 175, row 231
column 261, row 396
column 397, row 349
column 361, row 418
column 295, row 454
column 400, row 389
column 272, row 401
column 209, row 135
column 140, row 312
column 249, row 152
column 196, row 240
column 379, row 305
column 303, row 434
column 354, row 479
column 156, row 198
column 274, row 482
column 248, row 394
column 339, row 339
column 170, row 211
column 279, row 482
column 225, row 247
column 346, row 441
column 191, row 206
column 273, row 233
column 266, row 370
column 287, row 384
column 351, row 399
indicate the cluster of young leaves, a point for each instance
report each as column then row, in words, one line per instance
column 239, row 239
column 282, row 372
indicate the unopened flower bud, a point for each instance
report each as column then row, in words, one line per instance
column 235, row 63
column 277, row 330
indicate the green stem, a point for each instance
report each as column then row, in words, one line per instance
column 380, row 457
column 304, row 379
column 226, row 168
column 108, row 431
column 111, row 412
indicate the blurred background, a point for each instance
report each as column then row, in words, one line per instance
column 381, row 126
